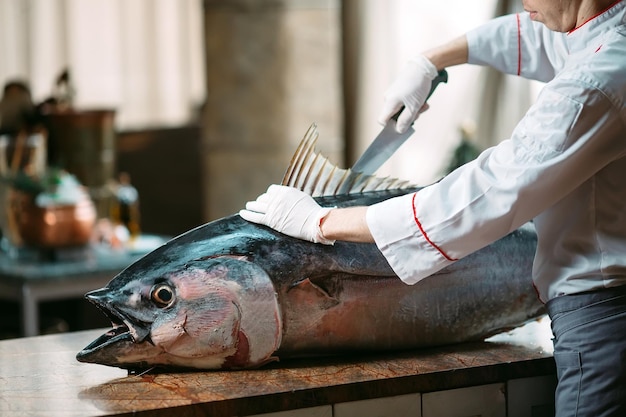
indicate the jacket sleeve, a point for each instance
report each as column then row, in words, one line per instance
column 567, row 136
column 516, row 45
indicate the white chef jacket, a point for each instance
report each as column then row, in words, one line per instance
column 564, row 165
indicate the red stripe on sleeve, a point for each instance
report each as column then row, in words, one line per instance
column 519, row 45
column 426, row 235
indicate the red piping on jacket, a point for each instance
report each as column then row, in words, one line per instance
column 594, row 16
column 426, row 235
column 519, row 45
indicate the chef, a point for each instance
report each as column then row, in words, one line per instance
column 564, row 167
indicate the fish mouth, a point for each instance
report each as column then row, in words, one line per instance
column 117, row 348
column 104, row 300
column 122, row 334
column 119, row 333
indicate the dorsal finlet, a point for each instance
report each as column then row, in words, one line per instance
column 311, row 172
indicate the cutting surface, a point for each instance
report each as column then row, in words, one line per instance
column 39, row 376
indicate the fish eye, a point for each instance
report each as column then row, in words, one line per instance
column 162, row 295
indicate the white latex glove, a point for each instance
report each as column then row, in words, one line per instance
column 410, row 89
column 289, row 211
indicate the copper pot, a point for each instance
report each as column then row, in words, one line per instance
column 56, row 226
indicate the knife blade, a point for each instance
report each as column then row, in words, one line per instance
column 388, row 140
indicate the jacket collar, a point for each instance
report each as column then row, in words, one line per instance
column 582, row 36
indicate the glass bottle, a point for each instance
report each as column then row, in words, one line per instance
column 125, row 208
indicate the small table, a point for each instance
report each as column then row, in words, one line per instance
column 32, row 281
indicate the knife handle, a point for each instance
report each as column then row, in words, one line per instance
column 442, row 77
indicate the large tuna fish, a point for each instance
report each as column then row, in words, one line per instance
column 232, row 294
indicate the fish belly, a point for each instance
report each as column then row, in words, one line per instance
column 483, row 294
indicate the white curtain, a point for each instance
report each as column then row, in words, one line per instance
column 144, row 58
column 387, row 33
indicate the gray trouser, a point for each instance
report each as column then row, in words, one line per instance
column 590, row 353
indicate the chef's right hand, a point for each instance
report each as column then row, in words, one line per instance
column 410, row 89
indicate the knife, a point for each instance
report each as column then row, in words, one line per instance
column 388, row 140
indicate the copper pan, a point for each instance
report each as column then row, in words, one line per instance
column 57, row 226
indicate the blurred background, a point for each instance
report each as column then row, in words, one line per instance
column 206, row 92
column 183, row 110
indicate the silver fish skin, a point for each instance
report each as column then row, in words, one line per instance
column 232, row 294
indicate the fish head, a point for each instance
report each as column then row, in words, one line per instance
column 213, row 313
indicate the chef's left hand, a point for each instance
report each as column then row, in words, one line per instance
column 289, row 211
